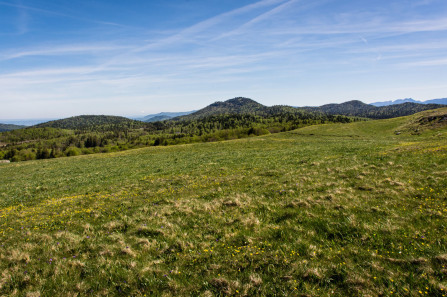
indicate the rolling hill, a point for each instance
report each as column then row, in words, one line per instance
column 355, row 108
column 235, row 118
column 239, row 105
column 90, row 122
column 360, row 109
column 325, row 210
column 249, row 107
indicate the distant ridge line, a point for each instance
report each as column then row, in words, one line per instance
column 411, row 100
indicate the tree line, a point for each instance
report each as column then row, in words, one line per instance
column 54, row 140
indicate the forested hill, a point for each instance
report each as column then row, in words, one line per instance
column 355, row 108
column 10, row 127
column 232, row 119
column 93, row 123
column 359, row 109
column 239, row 105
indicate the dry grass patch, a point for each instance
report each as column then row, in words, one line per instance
column 16, row 256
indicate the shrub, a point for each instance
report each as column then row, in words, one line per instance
column 72, row 151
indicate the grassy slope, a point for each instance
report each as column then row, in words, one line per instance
column 340, row 210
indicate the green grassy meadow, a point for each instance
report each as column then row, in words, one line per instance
column 354, row 209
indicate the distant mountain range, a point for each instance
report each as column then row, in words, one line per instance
column 354, row 108
column 223, row 120
column 247, row 106
column 241, row 105
column 360, row 109
column 26, row 122
column 410, row 100
column 162, row 116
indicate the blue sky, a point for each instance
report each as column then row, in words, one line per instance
column 64, row 58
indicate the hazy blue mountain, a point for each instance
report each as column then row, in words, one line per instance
column 436, row 101
column 400, row 101
column 26, row 122
column 158, row 118
column 163, row 116
column 10, row 127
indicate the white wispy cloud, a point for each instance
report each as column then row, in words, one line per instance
column 254, row 48
column 421, row 3
column 62, row 50
column 268, row 15
column 407, row 47
column 187, row 33
column 428, row 25
column 48, row 72
column 22, row 21
column 206, row 30
column 435, row 62
column 24, row 9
